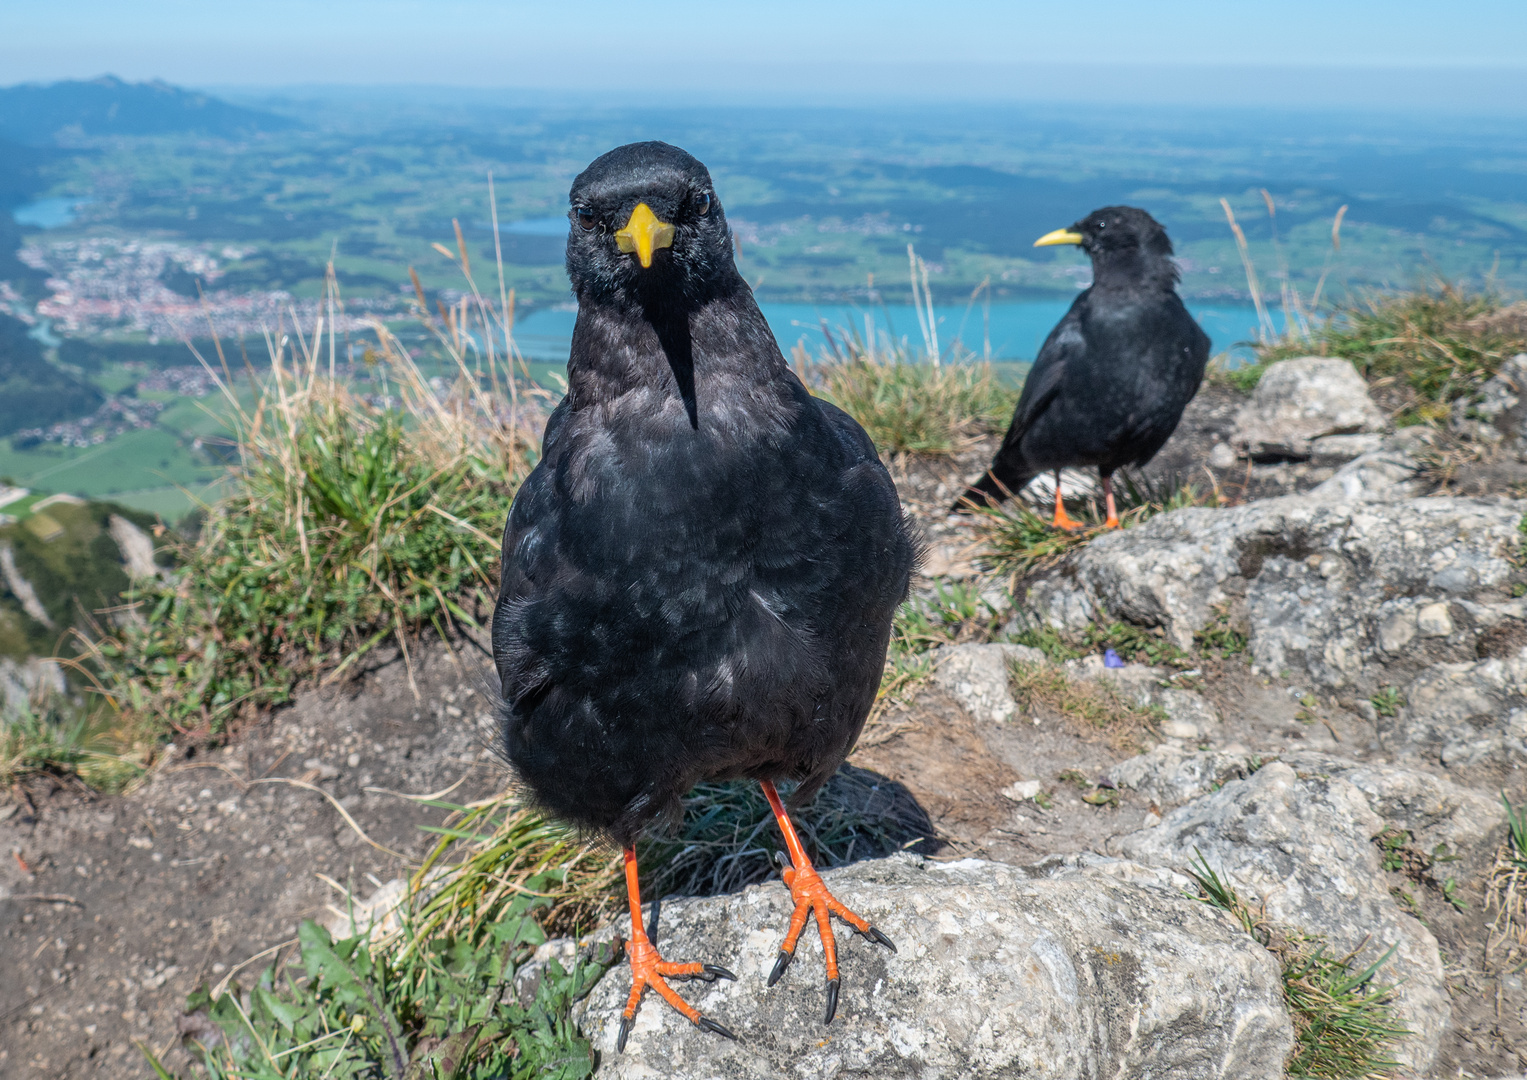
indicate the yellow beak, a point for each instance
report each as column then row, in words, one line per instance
column 644, row 234
column 1059, row 236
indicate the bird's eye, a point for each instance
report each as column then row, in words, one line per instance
column 702, row 202
column 586, row 217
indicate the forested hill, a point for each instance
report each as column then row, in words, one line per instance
column 37, row 114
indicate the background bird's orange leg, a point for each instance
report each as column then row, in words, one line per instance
column 1113, row 515
column 1062, row 519
column 811, row 897
column 648, row 968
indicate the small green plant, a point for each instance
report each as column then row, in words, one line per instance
column 1392, row 845
column 1240, row 376
column 1344, row 1022
column 1450, row 894
column 955, row 613
column 1516, row 821
column 1075, row 777
column 1049, row 641
column 1388, row 701
column 1219, row 637
column 444, row 1008
column 349, row 525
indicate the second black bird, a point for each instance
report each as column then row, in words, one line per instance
column 1110, row 383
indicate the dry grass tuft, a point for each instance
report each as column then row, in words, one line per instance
column 1097, row 707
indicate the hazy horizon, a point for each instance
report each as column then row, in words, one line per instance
column 1400, row 55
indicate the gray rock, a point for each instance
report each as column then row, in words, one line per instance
column 1301, row 400
column 1301, row 845
column 1170, row 776
column 1497, row 411
column 1445, row 821
column 135, row 546
column 1462, row 713
column 1094, row 971
column 28, row 685
column 1388, row 472
column 21, row 588
column 1326, row 590
column 1336, row 449
column 977, row 677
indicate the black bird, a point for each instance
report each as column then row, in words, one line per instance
column 1111, row 381
column 699, row 575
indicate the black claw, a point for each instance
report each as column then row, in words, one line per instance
column 705, row 1023
column 620, row 1039
column 779, row 966
column 713, row 972
column 878, row 938
column 832, row 1000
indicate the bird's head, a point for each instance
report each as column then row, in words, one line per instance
column 1117, row 235
column 646, row 223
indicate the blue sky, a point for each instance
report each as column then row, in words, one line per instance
column 1367, row 51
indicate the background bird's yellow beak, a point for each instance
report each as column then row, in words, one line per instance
column 644, row 234
column 1059, row 236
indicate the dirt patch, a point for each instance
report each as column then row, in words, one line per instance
column 118, row 907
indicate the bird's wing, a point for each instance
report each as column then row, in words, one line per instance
column 1065, row 346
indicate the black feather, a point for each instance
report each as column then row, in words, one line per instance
column 700, row 574
column 1110, row 383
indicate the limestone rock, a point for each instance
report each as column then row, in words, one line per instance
column 135, row 546
column 1462, row 713
column 977, row 677
column 1444, row 820
column 1391, row 470
column 27, row 685
column 1000, row 972
column 1169, row 775
column 1300, row 400
column 1327, row 590
column 1301, row 844
column 1497, row 411
column 1336, row 449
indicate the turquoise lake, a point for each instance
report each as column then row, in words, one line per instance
column 1015, row 331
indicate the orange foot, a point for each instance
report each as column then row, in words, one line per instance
column 811, row 897
column 648, row 968
column 1062, row 519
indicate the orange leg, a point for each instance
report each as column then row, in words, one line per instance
column 811, row 897
column 1113, row 514
column 648, row 968
column 1062, row 519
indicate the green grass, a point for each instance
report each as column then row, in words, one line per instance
column 63, row 743
column 910, row 406
column 1431, row 345
column 1133, row 644
column 1388, row 700
column 1344, row 1020
column 444, row 1008
column 1093, row 704
column 348, row 525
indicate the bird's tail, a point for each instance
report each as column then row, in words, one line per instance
column 996, row 485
